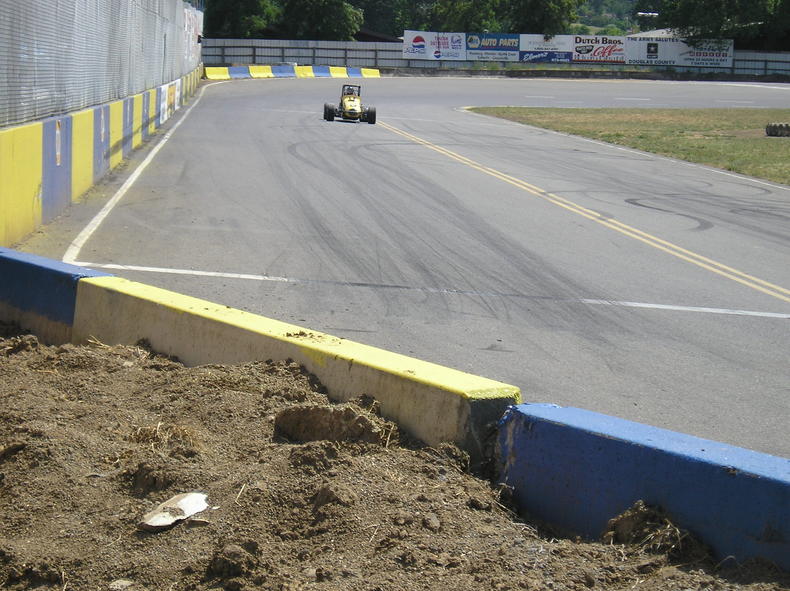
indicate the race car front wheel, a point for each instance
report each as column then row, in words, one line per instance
column 329, row 111
column 371, row 118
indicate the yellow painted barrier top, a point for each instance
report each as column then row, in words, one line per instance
column 261, row 72
column 215, row 73
column 321, row 348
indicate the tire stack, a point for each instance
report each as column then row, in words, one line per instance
column 778, row 129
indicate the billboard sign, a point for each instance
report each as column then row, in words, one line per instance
column 670, row 51
column 599, row 49
column 536, row 48
column 415, row 44
column 448, row 46
column 555, row 57
column 430, row 45
column 495, row 47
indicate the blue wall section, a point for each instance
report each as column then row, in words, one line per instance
column 283, row 71
column 146, row 114
column 56, row 169
column 128, row 126
column 354, row 72
column 40, row 285
column 577, row 469
column 239, row 72
column 321, row 72
column 101, row 141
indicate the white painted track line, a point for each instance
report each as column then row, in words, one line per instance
column 276, row 279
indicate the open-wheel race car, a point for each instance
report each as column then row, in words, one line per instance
column 350, row 106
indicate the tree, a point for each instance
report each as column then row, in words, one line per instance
column 751, row 23
column 466, row 15
column 414, row 15
column 549, row 17
column 240, row 19
column 320, row 20
column 777, row 30
column 380, row 16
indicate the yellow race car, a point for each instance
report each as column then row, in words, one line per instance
column 350, row 107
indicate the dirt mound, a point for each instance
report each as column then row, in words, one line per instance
column 347, row 423
column 93, row 438
column 650, row 528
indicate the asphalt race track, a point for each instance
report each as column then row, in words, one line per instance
column 588, row 275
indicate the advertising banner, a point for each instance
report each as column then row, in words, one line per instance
column 430, row 45
column 670, row 51
column 597, row 49
column 449, row 46
column 415, row 44
column 495, row 47
column 536, row 48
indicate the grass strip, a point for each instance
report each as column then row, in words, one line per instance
column 730, row 139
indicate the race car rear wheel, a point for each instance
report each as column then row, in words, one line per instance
column 329, row 111
column 371, row 118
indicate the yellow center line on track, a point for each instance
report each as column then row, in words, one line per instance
column 711, row 265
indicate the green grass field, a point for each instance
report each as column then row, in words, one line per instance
column 730, row 139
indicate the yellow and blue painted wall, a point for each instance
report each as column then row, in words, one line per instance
column 570, row 467
column 46, row 165
column 287, row 71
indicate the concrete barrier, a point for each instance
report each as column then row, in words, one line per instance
column 577, row 469
column 21, row 172
column 222, row 73
column 48, row 164
column 66, row 303
column 570, row 467
column 432, row 402
column 287, row 71
column 40, row 294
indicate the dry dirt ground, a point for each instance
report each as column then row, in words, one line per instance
column 303, row 494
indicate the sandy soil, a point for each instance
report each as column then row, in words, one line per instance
column 302, row 493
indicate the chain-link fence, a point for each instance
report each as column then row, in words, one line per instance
column 58, row 56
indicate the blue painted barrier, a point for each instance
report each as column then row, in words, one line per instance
column 56, row 167
column 239, row 72
column 128, row 126
column 283, row 71
column 577, row 469
column 40, row 286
